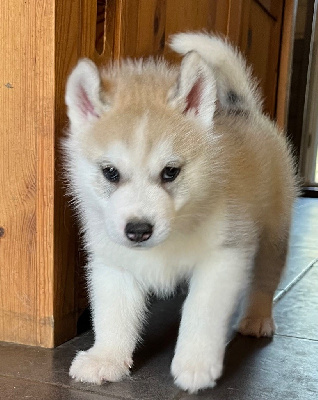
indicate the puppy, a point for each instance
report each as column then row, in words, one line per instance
column 177, row 175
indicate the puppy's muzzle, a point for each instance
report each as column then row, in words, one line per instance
column 138, row 231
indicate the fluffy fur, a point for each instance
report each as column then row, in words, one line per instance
column 222, row 223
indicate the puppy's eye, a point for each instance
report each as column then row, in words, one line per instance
column 111, row 174
column 169, row 174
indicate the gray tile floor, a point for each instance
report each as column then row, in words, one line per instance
column 255, row 369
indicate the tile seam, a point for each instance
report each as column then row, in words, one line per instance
column 296, row 337
column 291, row 284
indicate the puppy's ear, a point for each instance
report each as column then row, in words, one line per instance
column 83, row 95
column 194, row 93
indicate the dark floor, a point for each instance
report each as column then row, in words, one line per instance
column 255, row 369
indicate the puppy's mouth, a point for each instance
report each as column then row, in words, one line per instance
column 144, row 245
column 141, row 245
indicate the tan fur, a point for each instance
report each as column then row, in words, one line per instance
column 251, row 162
column 222, row 223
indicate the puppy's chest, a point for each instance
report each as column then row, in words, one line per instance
column 160, row 269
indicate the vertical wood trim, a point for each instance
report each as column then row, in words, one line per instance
column 218, row 13
column 87, row 29
column 68, row 48
column 44, row 133
column 141, row 28
column 17, row 174
column 26, row 171
column 274, row 60
column 110, row 27
column 234, row 22
column 118, row 31
column 286, row 57
column 244, row 25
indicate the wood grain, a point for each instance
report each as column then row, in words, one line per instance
column 191, row 16
column 235, row 21
column 273, row 7
column 260, row 41
column 69, row 45
column 285, row 65
column 26, row 172
column 142, row 30
column 39, row 249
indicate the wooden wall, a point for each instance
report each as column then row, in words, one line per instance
column 27, row 95
column 41, row 277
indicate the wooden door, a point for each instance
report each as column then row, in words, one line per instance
column 260, row 42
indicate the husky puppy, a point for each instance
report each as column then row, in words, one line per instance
column 177, row 175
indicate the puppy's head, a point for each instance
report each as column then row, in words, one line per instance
column 142, row 154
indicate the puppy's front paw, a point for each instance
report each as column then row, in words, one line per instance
column 90, row 367
column 257, row 327
column 195, row 373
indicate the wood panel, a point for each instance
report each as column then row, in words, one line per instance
column 112, row 30
column 285, row 64
column 196, row 15
column 39, row 271
column 26, row 172
column 69, row 45
column 193, row 15
column 260, row 41
column 235, row 21
column 143, row 26
column 273, row 7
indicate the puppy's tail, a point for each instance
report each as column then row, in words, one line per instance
column 236, row 90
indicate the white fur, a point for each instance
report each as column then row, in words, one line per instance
column 227, row 64
column 207, row 228
column 200, row 348
column 194, row 71
column 83, row 95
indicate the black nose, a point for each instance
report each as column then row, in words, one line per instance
column 138, row 231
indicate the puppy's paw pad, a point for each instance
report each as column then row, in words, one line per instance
column 259, row 327
column 193, row 376
column 92, row 368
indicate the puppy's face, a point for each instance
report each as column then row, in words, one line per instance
column 146, row 172
column 145, row 164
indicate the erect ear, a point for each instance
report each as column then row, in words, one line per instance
column 194, row 93
column 83, row 94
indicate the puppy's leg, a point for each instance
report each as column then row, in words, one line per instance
column 269, row 264
column 118, row 305
column 214, row 290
